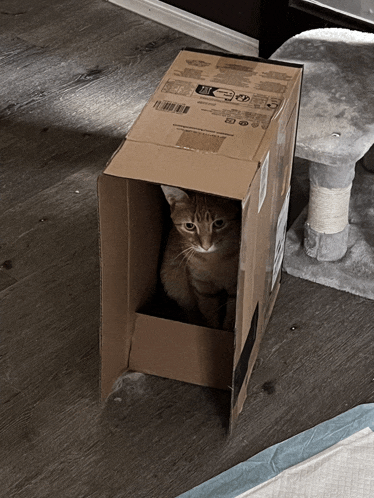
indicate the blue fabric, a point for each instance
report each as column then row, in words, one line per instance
column 281, row 456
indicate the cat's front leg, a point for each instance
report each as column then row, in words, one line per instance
column 209, row 303
column 209, row 306
column 229, row 321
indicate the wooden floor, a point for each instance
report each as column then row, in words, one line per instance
column 74, row 76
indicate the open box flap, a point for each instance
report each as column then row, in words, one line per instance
column 131, row 218
column 200, row 355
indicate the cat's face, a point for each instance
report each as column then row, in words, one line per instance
column 207, row 223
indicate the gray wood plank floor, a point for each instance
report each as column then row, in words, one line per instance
column 74, row 76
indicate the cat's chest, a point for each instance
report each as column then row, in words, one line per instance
column 218, row 270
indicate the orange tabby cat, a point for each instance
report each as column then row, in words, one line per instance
column 200, row 263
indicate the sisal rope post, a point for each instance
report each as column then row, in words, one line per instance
column 328, row 209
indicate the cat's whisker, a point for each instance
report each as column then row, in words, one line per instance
column 223, row 305
column 186, row 254
column 180, row 254
column 190, row 254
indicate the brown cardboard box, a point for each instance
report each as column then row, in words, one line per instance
column 223, row 125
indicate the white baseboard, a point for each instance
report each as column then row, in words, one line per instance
column 192, row 25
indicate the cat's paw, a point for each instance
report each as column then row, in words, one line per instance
column 129, row 381
column 229, row 323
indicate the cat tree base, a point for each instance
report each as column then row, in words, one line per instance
column 354, row 271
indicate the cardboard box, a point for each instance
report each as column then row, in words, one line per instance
column 223, row 125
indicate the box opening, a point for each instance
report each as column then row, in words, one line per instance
column 201, row 355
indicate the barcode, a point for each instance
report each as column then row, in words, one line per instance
column 164, row 105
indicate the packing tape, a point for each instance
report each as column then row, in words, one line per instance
column 328, row 208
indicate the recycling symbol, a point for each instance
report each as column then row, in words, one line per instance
column 241, row 97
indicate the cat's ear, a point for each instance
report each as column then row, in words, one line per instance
column 174, row 194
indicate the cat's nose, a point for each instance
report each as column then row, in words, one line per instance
column 206, row 244
column 206, row 241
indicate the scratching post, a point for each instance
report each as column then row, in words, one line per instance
column 327, row 228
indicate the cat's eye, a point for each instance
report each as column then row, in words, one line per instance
column 218, row 223
column 189, row 226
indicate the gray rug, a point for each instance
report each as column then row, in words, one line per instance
column 353, row 273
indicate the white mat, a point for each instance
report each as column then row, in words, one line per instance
column 345, row 470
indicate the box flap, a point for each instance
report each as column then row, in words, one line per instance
column 181, row 351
